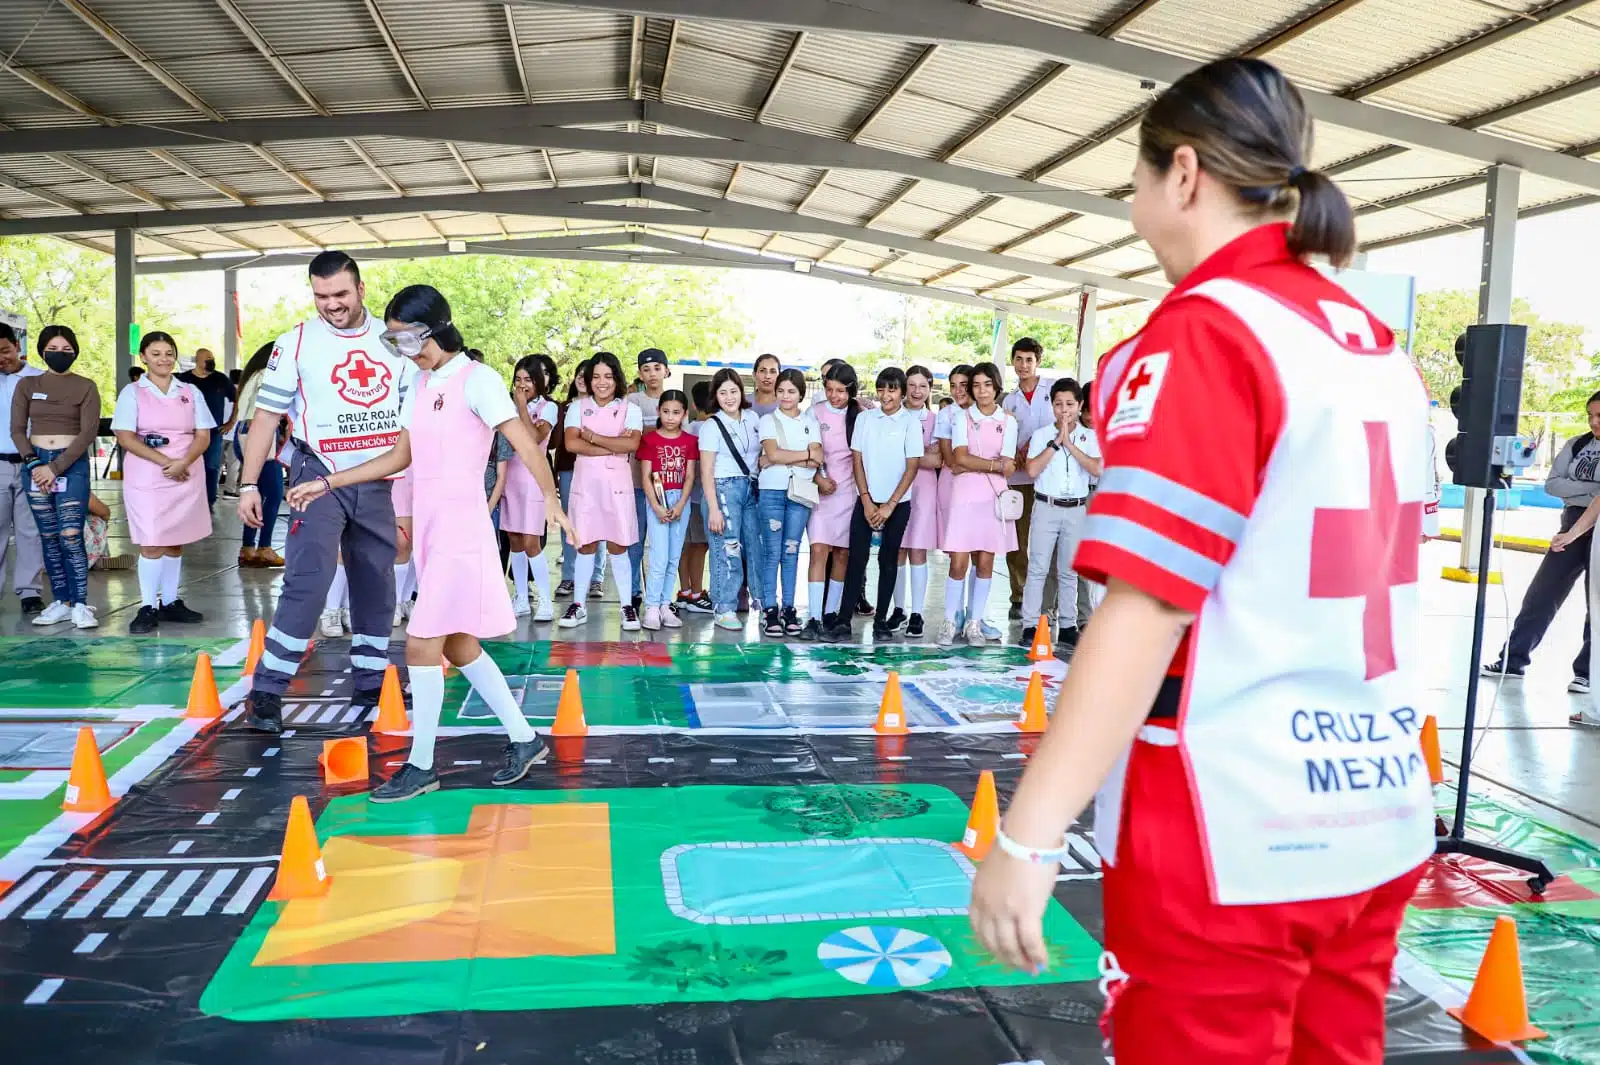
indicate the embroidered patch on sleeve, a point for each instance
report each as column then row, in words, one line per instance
column 1136, row 398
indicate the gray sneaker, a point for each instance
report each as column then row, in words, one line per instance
column 520, row 757
column 406, row 784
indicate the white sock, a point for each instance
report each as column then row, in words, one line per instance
column 427, row 700
column 835, row 594
column 980, row 598
column 622, row 575
column 814, row 594
column 582, row 575
column 519, row 573
column 402, row 582
column 486, row 678
column 900, row 586
column 954, row 600
column 150, row 570
column 972, row 579
column 539, row 569
column 919, row 587
column 336, row 591
column 169, row 578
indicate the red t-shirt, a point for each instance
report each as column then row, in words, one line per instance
column 669, row 456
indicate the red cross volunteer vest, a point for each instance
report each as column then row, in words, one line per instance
column 1297, row 713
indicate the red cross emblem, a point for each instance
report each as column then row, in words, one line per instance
column 1136, row 383
column 361, row 380
column 1364, row 553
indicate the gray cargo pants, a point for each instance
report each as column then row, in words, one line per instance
column 359, row 521
column 16, row 519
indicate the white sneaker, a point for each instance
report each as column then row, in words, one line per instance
column 947, row 632
column 521, row 607
column 630, row 618
column 974, row 633
column 331, row 627
column 83, row 616
column 344, row 620
column 576, row 615
column 670, row 618
column 546, row 612
column 652, row 618
column 54, row 614
column 730, row 621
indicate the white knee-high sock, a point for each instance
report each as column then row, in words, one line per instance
column 519, row 573
column 955, row 599
column 900, row 586
column 582, row 575
column 622, row 575
column 814, row 594
column 427, row 700
column 539, row 570
column 980, row 598
column 486, row 678
column 170, row 568
column 150, row 571
column 402, row 582
column 336, row 590
column 919, row 586
column 972, row 579
column 835, row 594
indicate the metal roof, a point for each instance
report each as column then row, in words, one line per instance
column 971, row 150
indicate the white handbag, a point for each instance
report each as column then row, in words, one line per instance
column 1008, row 504
column 802, row 483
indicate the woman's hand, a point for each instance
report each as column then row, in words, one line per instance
column 175, row 470
column 1008, row 467
column 1009, row 897
column 305, row 493
column 1558, row 542
column 44, row 478
column 826, row 485
column 714, row 521
column 555, row 515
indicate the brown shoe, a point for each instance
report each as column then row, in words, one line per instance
column 249, row 556
column 266, row 556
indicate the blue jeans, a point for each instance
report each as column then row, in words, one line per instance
column 636, row 549
column 666, row 546
column 782, row 524
column 270, row 483
column 60, row 516
column 738, row 545
column 213, row 460
column 569, row 553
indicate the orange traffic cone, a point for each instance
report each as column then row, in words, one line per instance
column 344, row 760
column 1034, row 718
column 983, row 820
column 258, row 644
column 1430, row 749
column 891, row 712
column 203, row 700
column 569, row 711
column 301, row 874
column 87, row 791
column 391, row 704
column 1041, row 650
column 1497, row 1008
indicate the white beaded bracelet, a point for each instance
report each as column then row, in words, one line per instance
column 1031, row 854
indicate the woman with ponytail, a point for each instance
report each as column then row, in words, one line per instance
column 1257, row 867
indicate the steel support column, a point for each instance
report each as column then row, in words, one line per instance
column 999, row 347
column 230, row 320
column 123, row 285
column 1494, row 308
column 1088, row 300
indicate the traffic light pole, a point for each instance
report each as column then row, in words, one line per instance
column 1455, row 841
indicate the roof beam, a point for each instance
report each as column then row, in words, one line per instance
column 954, row 21
column 516, row 52
column 1478, row 223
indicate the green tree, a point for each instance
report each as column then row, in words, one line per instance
column 971, row 333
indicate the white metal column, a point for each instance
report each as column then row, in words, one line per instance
column 122, row 283
column 1088, row 300
column 230, row 320
column 1000, row 347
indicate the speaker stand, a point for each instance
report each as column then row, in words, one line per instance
column 1454, row 841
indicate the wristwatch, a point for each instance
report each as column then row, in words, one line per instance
column 1056, row 444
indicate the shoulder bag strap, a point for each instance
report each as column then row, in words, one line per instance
column 733, row 448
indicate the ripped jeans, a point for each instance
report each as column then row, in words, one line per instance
column 60, row 517
column 737, row 547
column 783, row 523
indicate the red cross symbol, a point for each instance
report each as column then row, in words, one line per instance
column 1137, row 382
column 1367, row 552
column 362, row 373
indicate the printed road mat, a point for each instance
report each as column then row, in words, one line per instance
column 729, row 869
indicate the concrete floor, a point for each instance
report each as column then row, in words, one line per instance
column 1527, row 756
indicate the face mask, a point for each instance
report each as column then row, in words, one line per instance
column 60, row 361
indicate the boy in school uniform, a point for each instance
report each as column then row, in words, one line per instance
column 1062, row 459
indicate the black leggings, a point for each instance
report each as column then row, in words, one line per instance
column 855, row 574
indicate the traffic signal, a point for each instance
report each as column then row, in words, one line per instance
column 1486, row 404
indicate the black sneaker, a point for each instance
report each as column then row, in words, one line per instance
column 638, row 602
column 406, row 784
column 1016, row 612
column 366, row 701
column 896, row 620
column 880, row 631
column 865, row 609
column 700, row 604
column 1497, row 668
column 840, row 633
column 791, row 622
column 32, row 604
column 630, row 618
column 176, row 611
column 145, row 621
column 914, row 627
column 1027, row 635
column 812, row 632
column 1068, row 637
column 774, row 622
column 520, row 757
column 266, row 712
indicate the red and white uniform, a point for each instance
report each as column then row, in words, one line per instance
column 1263, row 834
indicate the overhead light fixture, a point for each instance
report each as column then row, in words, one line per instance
column 802, row 266
column 456, row 246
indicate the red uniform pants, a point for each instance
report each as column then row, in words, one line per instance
column 1299, row 983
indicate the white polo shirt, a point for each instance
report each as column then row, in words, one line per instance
column 885, row 442
column 8, row 389
column 1031, row 415
column 125, row 415
column 958, row 428
column 790, row 434
column 1065, row 477
column 484, row 391
column 746, row 436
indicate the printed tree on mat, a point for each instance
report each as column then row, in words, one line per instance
column 682, row 963
column 836, row 812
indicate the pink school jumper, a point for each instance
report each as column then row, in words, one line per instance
column 163, row 512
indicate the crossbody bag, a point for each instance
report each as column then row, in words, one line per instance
column 802, row 482
column 1007, row 504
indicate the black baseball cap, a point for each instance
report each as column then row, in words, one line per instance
column 649, row 355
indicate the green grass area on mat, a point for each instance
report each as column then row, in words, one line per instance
column 110, row 672
column 659, row 957
column 20, row 818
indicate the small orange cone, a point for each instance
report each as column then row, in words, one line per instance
column 1430, row 749
column 301, row 874
column 1034, row 718
column 569, row 711
column 891, row 712
column 203, row 701
column 258, row 644
column 391, row 704
column 983, row 821
column 344, row 760
column 1041, row 651
column 87, row 791
column 1497, row 1008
